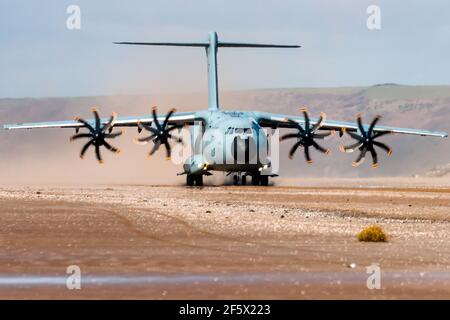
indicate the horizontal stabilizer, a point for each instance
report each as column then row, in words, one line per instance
column 254, row 45
column 206, row 44
column 212, row 46
column 174, row 44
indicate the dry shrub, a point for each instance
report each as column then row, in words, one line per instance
column 372, row 234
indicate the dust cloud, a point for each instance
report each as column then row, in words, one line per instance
column 45, row 156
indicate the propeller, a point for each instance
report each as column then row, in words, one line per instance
column 97, row 135
column 306, row 135
column 366, row 142
column 160, row 133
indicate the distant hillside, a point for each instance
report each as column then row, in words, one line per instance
column 47, row 156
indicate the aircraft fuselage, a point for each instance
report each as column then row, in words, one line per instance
column 229, row 141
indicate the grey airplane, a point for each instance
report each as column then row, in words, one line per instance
column 229, row 133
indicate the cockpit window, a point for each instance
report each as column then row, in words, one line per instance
column 243, row 130
column 238, row 130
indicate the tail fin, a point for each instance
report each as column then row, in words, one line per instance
column 211, row 51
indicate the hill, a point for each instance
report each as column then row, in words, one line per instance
column 46, row 156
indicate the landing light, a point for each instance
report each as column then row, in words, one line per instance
column 203, row 166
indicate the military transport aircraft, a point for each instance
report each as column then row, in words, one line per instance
column 234, row 131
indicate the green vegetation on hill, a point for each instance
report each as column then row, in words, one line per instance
column 392, row 92
column 385, row 91
column 344, row 91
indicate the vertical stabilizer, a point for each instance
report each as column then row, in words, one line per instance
column 211, row 54
column 213, row 83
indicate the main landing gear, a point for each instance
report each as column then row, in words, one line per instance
column 257, row 179
column 196, row 179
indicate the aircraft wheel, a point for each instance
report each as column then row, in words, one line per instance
column 189, row 180
column 199, row 180
column 244, row 180
column 235, row 180
column 255, row 180
column 264, row 180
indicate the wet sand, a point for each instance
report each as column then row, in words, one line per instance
column 169, row 242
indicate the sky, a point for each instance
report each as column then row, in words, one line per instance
column 41, row 57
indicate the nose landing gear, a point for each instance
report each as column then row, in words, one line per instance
column 192, row 179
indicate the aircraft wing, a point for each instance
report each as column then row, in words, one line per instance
column 267, row 119
column 178, row 118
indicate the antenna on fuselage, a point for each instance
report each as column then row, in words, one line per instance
column 211, row 53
